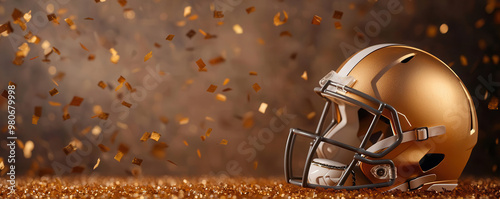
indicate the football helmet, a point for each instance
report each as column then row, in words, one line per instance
column 395, row 118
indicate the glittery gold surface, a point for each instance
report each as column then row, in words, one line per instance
column 211, row 187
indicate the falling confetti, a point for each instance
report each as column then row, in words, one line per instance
column 101, row 84
column 250, row 10
column 463, row 60
column 338, row 25
column 148, row 56
column 337, row 15
column 185, row 143
column 226, row 81
column 253, row 73
column 220, row 97
column 304, row 75
column 316, row 20
column 28, row 147
column 69, row 149
column 238, row 29
column 263, row 107
column 191, row 34
column 218, row 14
column 103, row 148
column 137, row 161
column 114, row 56
column 76, row 101
column 169, row 37
column 155, row 136
column 145, row 136
column 200, row 64
column 493, row 104
column 199, row 153
column 256, row 87
column 83, row 47
column 277, row 21
column 184, row 121
column 255, row 165
column 118, row 157
column 209, row 131
column 223, row 142
column 211, row 88
column 36, row 115
column 126, row 104
column 97, row 163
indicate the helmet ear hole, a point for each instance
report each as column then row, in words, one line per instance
column 407, row 59
column 430, row 161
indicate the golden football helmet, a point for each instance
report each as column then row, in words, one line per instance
column 401, row 119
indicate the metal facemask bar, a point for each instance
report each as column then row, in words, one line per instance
column 360, row 152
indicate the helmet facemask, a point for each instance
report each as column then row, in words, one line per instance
column 337, row 150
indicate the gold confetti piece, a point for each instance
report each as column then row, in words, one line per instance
column 216, row 60
column 493, row 104
column 316, row 20
column 227, row 89
column 34, row 58
column 337, row 14
column 114, row 56
column 56, row 50
column 311, row 115
column 256, row 87
column 277, row 21
column 463, row 60
column 97, row 163
column 191, row 34
column 220, row 97
column 76, row 101
column 77, row 169
column 137, row 161
column 20, row 143
column 16, row 14
column 145, row 136
column 69, row 149
column 53, row 92
column 28, row 148
column 52, row 17
column 431, row 31
column 255, row 164
column 226, row 81
column 6, row 27
column 193, row 17
column 223, row 142
column 200, row 63
column 252, row 73
column 211, row 88
column 155, row 136
column 250, row 10
column 209, row 131
column 261, row 41
column 66, row 116
column 338, row 25
column 285, row 33
column 128, row 105
column 170, row 37
column 202, row 138
column 220, row 23
column 185, row 143
column 167, row 160
column 69, row 22
column 304, row 75
column 218, row 14
column 2, row 164
column 123, row 148
column 187, row 11
column 263, row 107
column 83, row 47
column 157, row 45
column 148, row 56
column 92, row 57
column 118, row 156
column 101, row 84
column 238, row 29
column 54, row 103
column 209, row 118
column 103, row 148
column 123, row 3
column 184, row 120
column 88, row 18
column 27, row 16
column 199, row 153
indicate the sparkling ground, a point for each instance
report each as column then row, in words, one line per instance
column 209, row 187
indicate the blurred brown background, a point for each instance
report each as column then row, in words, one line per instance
column 168, row 85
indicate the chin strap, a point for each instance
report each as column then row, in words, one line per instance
column 419, row 134
column 415, row 183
